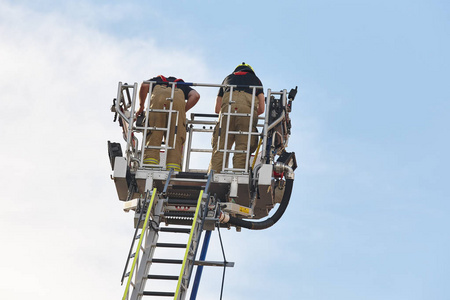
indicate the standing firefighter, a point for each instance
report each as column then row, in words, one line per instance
column 243, row 77
column 160, row 93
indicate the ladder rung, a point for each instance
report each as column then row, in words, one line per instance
column 170, row 245
column 214, row 263
column 187, row 187
column 167, row 261
column 190, row 202
column 201, row 150
column 233, row 151
column 179, row 214
column 159, row 294
column 243, row 132
column 192, row 175
column 188, row 180
column 175, row 229
column 163, row 277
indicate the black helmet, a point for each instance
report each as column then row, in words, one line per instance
column 244, row 67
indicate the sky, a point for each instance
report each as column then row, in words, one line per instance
column 368, row 218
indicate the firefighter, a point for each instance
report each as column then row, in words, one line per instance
column 159, row 94
column 242, row 98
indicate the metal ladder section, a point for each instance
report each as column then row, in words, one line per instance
column 126, row 110
column 198, row 123
column 134, row 151
column 179, row 210
column 164, row 147
column 228, row 132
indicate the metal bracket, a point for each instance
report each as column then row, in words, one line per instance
column 237, row 209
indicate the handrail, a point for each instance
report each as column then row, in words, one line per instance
column 117, row 103
column 147, row 216
column 136, row 147
column 267, row 126
column 188, row 246
column 206, row 84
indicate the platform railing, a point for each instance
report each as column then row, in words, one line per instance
column 197, row 123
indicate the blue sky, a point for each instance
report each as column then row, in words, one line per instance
column 369, row 214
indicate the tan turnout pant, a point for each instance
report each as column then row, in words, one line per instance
column 160, row 119
column 243, row 102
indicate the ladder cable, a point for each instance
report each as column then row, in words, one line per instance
column 224, row 260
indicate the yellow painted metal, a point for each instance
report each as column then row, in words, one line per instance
column 183, row 267
column 147, row 217
column 256, row 153
column 244, row 209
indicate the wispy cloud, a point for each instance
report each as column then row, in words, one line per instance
column 61, row 220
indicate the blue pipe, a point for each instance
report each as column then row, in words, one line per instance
column 198, row 274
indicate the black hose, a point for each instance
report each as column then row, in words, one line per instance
column 273, row 219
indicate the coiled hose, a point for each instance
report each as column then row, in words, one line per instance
column 258, row 225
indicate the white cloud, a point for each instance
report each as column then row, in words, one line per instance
column 64, row 229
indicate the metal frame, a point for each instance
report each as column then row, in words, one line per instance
column 213, row 192
column 249, row 133
column 191, row 129
column 132, row 149
column 268, row 127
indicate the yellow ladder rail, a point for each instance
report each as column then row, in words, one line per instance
column 183, row 267
column 147, row 217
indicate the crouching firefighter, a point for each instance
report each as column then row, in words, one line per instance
column 160, row 99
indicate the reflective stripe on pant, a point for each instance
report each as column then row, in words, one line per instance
column 242, row 105
column 159, row 119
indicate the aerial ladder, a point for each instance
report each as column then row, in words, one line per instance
column 173, row 209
